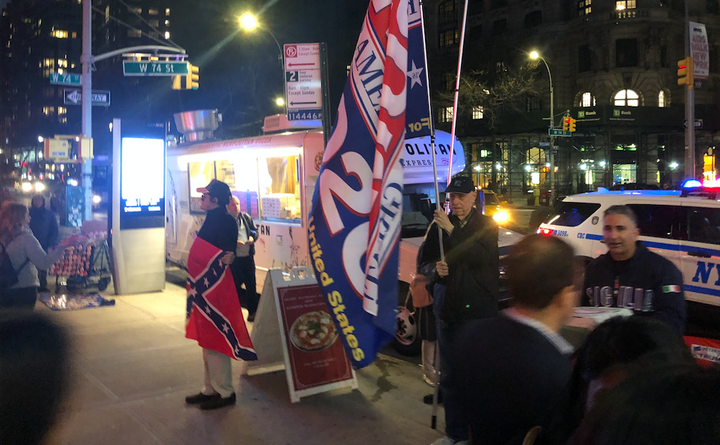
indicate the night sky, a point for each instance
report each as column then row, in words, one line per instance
column 240, row 73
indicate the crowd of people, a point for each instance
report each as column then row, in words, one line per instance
column 510, row 377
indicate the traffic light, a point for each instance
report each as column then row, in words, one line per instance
column 192, row 81
column 566, row 124
column 177, row 82
column 686, row 72
column 571, row 124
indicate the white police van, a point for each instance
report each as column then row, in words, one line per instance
column 683, row 226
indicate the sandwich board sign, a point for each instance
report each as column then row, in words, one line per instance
column 294, row 331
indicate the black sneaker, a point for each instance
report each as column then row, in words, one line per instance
column 218, row 402
column 200, row 398
column 428, row 399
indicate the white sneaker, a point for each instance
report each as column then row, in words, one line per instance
column 448, row 441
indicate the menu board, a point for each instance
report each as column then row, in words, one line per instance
column 316, row 354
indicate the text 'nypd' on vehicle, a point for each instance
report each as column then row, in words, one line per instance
column 681, row 225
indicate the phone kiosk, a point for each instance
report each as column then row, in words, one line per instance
column 138, row 207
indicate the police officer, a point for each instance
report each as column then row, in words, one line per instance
column 631, row 276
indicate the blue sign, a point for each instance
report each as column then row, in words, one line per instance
column 305, row 115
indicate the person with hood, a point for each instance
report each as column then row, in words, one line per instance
column 44, row 226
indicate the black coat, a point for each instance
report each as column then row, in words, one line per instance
column 647, row 283
column 44, row 226
column 513, row 377
column 472, row 286
column 220, row 229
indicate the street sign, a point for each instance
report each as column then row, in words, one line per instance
column 74, row 97
column 65, row 79
column 559, row 132
column 303, row 81
column 131, row 68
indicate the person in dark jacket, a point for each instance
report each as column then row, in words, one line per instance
column 243, row 268
column 515, row 366
column 44, row 226
column 464, row 287
column 220, row 230
column 631, row 276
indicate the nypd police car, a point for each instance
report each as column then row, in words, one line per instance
column 683, row 226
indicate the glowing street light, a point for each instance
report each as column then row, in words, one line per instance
column 674, row 165
column 534, row 55
column 40, row 139
column 248, row 21
column 280, row 102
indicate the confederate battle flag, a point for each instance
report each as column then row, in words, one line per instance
column 214, row 317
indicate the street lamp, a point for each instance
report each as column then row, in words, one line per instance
column 249, row 22
column 534, row 55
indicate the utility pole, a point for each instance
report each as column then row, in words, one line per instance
column 86, row 83
column 689, row 107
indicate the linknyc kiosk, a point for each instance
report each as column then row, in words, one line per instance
column 138, row 207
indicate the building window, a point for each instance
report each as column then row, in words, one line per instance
column 48, row 111
column 584, row 59
column 584, row 7
column 62, row 110
column 627, row 98
column 445, row 114
column 448, row 38
column 49, row 63
column 59, row 34
column 62, row 119
column 499, row 27
column 622, row 5
column 587, row 100
column 478, row 113
column 626, row 53
column 154, row 23
column 449, row 81
column 167, row 35
column 532, row 103
column 167, row 22
column 167, row 11
column 61, row 63
column 134, row 33
column 663, row 99
column 49, row 91
column 533, row 19
column 156, row 12
column 448, row 12
column 74, row 35
column 136, row 10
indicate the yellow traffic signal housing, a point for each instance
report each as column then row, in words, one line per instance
column 192, row 80
column 571, row 124
column 177, row 82
column 686, row 72
column 566, row 124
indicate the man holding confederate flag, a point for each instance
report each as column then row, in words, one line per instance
column 214, row 315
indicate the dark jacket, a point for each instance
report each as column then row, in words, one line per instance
column 250, row 229
column 513, row 376
column 472, row 287
column 220, row 229
column 44, row 226
column 647, row 283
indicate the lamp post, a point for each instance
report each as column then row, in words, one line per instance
column 534, row 55
column 249, row 22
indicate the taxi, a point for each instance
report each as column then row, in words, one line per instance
column 494, row 208
column 681, row 225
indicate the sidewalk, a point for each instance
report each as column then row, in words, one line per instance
column 133, row 368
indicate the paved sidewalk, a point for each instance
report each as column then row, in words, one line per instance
column 133, row 368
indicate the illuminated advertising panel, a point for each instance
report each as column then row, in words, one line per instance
column 142, row 182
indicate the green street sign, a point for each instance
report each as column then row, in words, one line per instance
column 559, row 132
column 131, row 68
column 65, row 79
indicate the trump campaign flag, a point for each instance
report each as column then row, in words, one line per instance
column 214, row 317
column 355, row 222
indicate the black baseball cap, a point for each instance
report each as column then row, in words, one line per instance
column 216, row 189
column 461, row 184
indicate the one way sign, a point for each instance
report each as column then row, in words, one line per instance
column 74, row 97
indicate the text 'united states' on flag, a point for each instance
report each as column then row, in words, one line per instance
column 356, row 217
column 214, row 316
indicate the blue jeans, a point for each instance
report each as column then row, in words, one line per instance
column 456, row 426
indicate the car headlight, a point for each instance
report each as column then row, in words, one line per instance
column 501, row 216
column 96, row 199
column 39, row 186
column 26, row 186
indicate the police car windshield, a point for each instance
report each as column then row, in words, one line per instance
column 571, row 214
column 491, row 198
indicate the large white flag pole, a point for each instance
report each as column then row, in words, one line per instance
column 457, row 91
